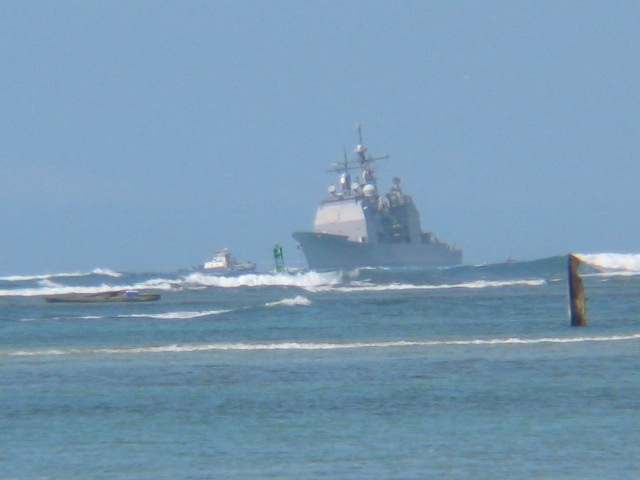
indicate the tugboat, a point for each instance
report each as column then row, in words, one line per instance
column 356, row 226
column 224, row 262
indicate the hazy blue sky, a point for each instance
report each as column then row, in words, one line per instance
column 144, row 135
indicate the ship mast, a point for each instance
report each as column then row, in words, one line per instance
column 343, row 168
column 362, row 162
column 365, row 162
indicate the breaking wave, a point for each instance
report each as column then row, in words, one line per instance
column 302, row 280
column 290, row 302
column 175, row 315
column 83, row 317
column 186, row 348
column 310, row 281
column 51, row 288
column 386, row 269
column 105, row 271
column 613, row 264
column 96, row 271
column 162, row 316
column 364, row 287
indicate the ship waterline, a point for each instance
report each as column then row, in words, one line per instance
column 334, row 252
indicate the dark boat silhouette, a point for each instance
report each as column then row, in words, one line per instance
column 115, row 296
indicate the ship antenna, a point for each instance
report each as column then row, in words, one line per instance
column 365, row 160
column 345, row 162
column 345, row 165
column 361, row 150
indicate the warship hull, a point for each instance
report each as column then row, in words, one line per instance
column 325, row 251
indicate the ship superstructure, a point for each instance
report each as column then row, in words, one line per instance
column 357, row 226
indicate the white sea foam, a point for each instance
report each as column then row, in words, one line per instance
column 310, row 281
column 613, row 261
column 185, row 348
column 84, row 317
column 303, row 280
column 106, row 271
column 290, row 302
column 51, row 288
column 175, row 315
column 96, row 271
column 364, row 287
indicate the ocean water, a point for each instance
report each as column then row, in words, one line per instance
column 466, row 372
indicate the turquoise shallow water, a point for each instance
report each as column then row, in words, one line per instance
column 457, row 373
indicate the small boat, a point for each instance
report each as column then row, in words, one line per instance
column 115, row 296
column 223, row 261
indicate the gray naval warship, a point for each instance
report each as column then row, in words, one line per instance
column 356, row 226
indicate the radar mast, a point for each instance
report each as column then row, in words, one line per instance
column 365, row 161
column 362, row 162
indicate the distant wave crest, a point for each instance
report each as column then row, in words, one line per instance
column 303, row 280
column 298, row 300
column 364, row 287
column 311, row 281
column 175, row 315
column 51, row 288
column 46, row 276
column 187, row 348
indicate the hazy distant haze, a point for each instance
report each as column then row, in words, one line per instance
column 144, row 135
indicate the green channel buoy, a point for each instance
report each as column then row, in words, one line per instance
column 278, row 258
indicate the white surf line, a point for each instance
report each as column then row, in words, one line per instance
column 44, row 276
column 175, row 315
column 298, row 300
column 55, row 289
column 302, row 280
column 478, row 284
column 320, row 346
column 181, row 315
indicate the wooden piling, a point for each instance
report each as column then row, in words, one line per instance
column 577, row 299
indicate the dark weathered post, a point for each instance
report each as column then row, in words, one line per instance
column 577, row 300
